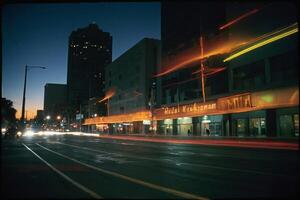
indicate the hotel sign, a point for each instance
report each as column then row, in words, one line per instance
column 235, row 102
column 190, row 108
column 193, row 109
column 222, row 105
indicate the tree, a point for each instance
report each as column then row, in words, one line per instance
column 8, row 113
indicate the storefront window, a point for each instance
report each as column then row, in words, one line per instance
column 168, row 126
column 257, row 127
column 241, row 127
column 296, row 124
column 215, row 128
column 185, row 125
column 286, row 126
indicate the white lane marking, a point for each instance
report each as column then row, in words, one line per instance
column 137, row 181
column 90, row 192
column 192, row 164
column 238, row 170
column 116, row 154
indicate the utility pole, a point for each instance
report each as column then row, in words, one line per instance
column 24, row 93
column 23, row 102
column 202, row 69
column 151, row 105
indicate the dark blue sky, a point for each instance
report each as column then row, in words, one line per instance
column 37, row 34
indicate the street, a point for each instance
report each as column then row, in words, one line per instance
column 68, row 166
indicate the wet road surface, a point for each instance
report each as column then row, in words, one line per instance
column 65, row 166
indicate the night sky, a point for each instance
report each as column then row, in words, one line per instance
column 37, row 34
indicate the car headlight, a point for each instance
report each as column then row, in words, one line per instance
column 3, row 130
column 19, row 133
column 29, row 133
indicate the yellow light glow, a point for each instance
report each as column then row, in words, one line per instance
column 130, row 117
column 273, row 39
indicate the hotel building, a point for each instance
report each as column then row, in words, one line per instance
column 250, row 75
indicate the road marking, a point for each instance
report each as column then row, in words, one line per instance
column 238, row 170
column 116, row 154
column 192, row 164
column 137, row 181
column 90, row 192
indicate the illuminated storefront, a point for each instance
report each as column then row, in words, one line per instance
column 272, row 112
column 244, row 115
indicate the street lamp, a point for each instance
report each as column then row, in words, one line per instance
column 48, row 118
column 24, row 91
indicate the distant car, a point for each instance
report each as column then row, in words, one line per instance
column 10, row 132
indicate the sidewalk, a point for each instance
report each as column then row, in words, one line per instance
column 266, row 143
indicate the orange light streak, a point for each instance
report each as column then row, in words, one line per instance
column 218, row 49
column 129, row 117
column 211, row 71
column 111, row 92
column 239, row 19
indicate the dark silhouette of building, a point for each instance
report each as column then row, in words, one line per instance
column 181, row 28
column 256, row 95
column 40, row 114
column 90, row 51
column 55, row 99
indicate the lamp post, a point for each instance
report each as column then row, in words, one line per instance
column 24, row 91
column 48, row 118
column 151, row 105
column 58, row 120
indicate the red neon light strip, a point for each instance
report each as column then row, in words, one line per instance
column 225, row 142
column 238, row 19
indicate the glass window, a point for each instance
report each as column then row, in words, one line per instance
column 215, row 128
column 296, row 124
column 241, row 127
column 284, row 66
column 286, row 125
column 249, row 76
column 257, row 127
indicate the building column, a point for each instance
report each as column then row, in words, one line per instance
column 175, row 127
column 110, row 129
column 195, row 121
column 271, row 123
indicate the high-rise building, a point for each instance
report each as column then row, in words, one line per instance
column 90, row 51
column 131, row 77
column 55, row 99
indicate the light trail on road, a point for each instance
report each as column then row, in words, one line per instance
column 75, row 183
column 192, row 164
column 140, row 182
column 205, row 171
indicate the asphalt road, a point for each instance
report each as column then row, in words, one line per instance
column 65, row 166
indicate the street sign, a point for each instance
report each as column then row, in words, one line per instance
column 146, row 122
column 79, row 116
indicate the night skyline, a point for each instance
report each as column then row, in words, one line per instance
column 188, row 100
column 50, row 25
